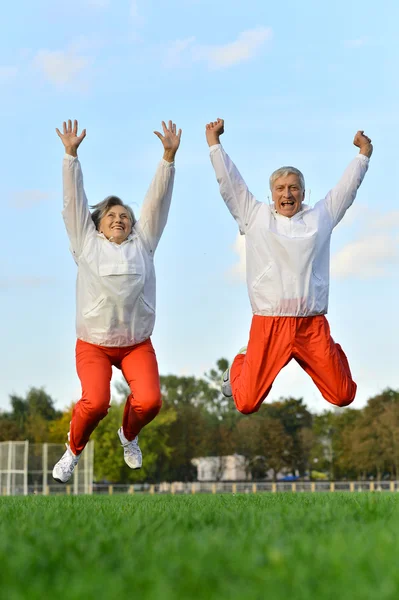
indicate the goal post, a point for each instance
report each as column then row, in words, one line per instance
column 27, row 468
column 14, row 468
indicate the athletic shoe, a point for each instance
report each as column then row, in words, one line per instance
column 131, row 451
column 226, row 385
column 64, row 468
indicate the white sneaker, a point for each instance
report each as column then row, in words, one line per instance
column 64, row 468
column 131, row 451
column 226, row 385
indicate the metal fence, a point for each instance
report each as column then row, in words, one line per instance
column 239, row 487
column 247, row 487
column 27, row 469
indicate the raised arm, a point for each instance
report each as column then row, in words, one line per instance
column 76, row 214
column 155, row 209
column 233, row 189
column 341, row 197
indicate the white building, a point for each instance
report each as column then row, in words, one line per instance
column 221, row 468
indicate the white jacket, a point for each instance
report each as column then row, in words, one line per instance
column 287, row 259
column 115, row 292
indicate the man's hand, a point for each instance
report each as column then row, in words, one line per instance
column 170, row 140
column 364, row 143
column 70, row 137
column 213, row 131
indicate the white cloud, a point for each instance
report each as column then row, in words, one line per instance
column 372, row 254
column 387, row 221
column 245, row 47
column 356, row 43
column 238, row 271
column 25, row 281
column 374, row 251
column 28, row 198
column 369, row 257
column 135, row 14
column 98, row 3
column 134, row 9
column 62, row 67
column 7, row 73
column 175, row 52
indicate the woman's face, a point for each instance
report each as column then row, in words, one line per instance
column 116, row 224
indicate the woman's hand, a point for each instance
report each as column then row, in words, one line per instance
column 170, row 140
column 70, row 137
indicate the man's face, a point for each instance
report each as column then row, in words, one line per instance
column 116, row 224
column 288, row 195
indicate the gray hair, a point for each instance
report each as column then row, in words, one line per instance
column 101, row 209
column 283, row 172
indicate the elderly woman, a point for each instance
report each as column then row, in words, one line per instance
column 288, row 257
column 115, row 295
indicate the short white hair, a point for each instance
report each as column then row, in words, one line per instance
column 283, row 172
column 101, row 209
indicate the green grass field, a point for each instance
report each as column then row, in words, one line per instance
column 274, row 546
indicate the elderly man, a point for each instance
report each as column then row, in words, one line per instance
column 288, row 258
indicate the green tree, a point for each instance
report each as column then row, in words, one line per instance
column 31, row 415
column 295, row 417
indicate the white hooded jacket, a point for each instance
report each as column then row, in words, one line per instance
column 287, row 259
column 115, row 291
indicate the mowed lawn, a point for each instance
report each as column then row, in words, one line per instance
column 261, row 546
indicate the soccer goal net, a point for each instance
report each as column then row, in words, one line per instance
column 26, row 468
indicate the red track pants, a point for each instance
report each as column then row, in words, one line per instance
column 273, row 342
column 94, row 367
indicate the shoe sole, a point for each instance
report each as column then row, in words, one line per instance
column 59, row 480
column 226, row 381
column 133, row 468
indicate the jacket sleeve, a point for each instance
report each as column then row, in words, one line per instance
column 341, row 197
column 76, row 214
column 239, row 200
column 155, row 209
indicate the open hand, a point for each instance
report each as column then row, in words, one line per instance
column 170, row 140
column 363, row 142
column 213, row 131
column 70, row 137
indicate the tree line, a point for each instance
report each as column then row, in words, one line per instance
column 197, row 421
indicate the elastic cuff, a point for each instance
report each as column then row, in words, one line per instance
column 167, row 163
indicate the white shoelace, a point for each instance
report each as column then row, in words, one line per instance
column 132, row 448
column 68, row 462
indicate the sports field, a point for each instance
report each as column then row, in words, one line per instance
column 274, row 546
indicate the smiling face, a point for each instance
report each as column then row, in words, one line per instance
column 288, row 195
column 116, row 224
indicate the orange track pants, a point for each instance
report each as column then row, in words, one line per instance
column 94, row 367
column 273, row 342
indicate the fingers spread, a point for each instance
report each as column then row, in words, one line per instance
column 159, row 135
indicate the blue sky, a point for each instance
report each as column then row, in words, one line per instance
column 293, row 81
